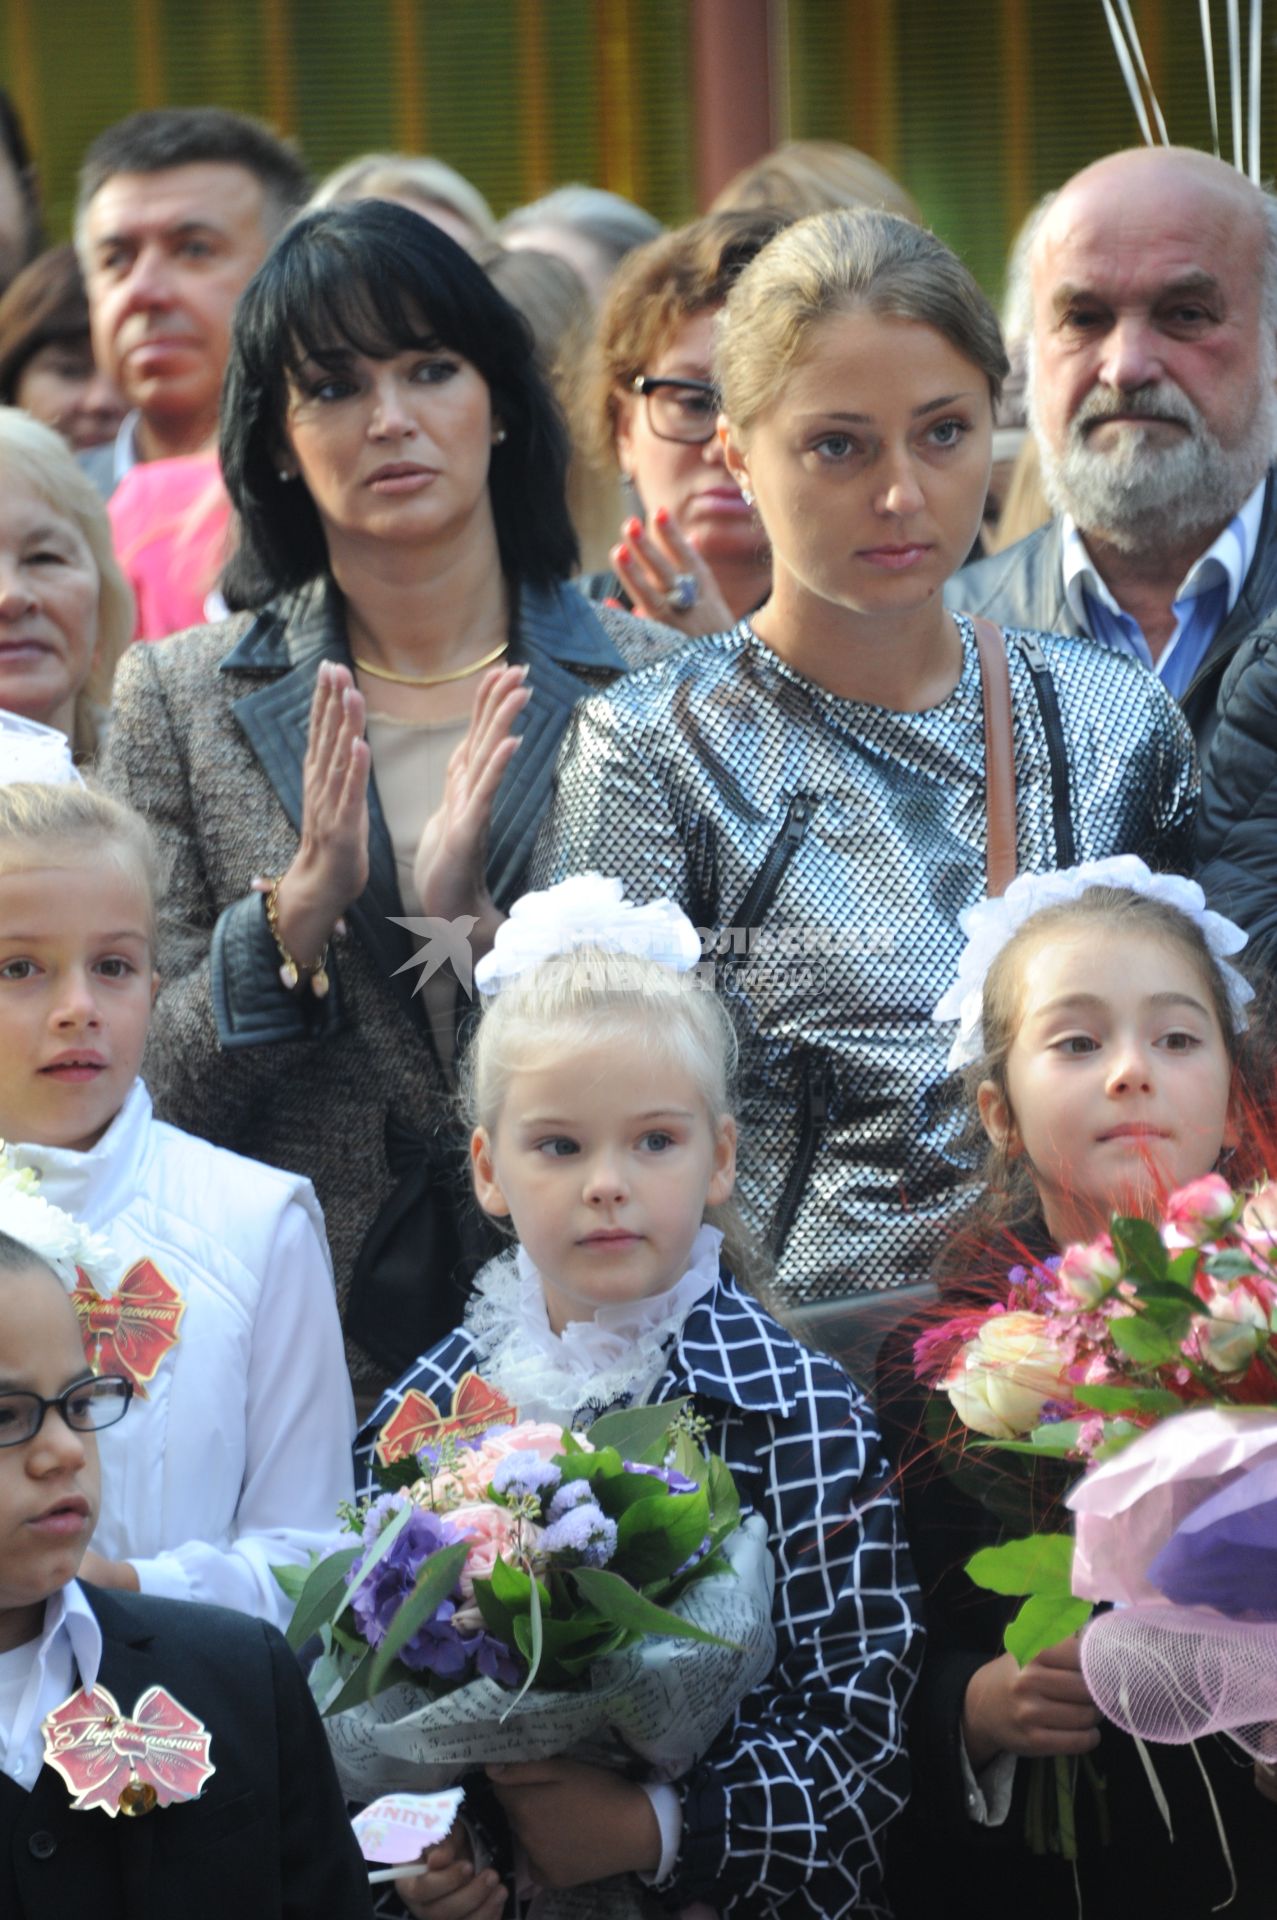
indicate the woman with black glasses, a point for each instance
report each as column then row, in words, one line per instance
column 693, row 554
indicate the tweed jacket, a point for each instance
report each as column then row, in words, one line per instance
column 785, row 1813
column 1024, row 587
column 208, row 741
column 268, row 1839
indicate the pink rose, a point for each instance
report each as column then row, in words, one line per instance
column 1201, row 1208
column 1259, row 1218
column 1239, row 1324
column 1087, row 1273
column 1003, row 1378
column 493, row 1535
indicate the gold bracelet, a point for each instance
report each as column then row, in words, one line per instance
column 291, row 970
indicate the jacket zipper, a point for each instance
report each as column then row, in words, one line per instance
column 1057, row 754
column 815, row 1090
column 766, row 882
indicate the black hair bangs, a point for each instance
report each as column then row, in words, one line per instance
column 386, row 283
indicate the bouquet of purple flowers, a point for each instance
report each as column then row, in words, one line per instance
column 522, row 1591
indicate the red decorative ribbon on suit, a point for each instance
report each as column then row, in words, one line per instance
column 129, row 1331
column 417, row 1422
column 127, row 1763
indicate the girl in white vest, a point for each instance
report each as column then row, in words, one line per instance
column 214, row 1295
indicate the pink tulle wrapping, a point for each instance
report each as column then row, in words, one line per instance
column 1128, row 1508
column 1173, row 1674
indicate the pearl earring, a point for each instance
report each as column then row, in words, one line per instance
column 499, row 437
column 284, row 475
column 747, row 496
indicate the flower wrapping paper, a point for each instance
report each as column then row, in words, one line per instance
column 664, row 1700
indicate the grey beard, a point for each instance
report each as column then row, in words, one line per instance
column 1135, row 496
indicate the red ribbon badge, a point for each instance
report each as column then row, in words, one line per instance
column 416, row 1422
column 127, row 1763
column 129, row 1331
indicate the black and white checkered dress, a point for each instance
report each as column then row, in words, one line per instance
column 786, row 1811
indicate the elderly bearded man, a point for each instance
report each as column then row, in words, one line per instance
column 1152, row 377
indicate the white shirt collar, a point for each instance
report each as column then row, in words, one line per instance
column 99, row 1183
column 1231, row 554
column 69, row 1651
column 619, row 1355
column 125, row 455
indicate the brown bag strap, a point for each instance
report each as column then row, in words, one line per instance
column 999, row 758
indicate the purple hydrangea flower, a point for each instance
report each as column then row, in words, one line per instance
column 436, row 1646
column 525, row 1472
column 585, row 1532
column 494, row 1659
column 570, row 1495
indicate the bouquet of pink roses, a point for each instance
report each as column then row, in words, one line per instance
column 1103, row 1354
column 1091, row 1348
column 519, row 1591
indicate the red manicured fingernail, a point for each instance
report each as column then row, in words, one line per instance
column 662, row 516
column 633, row 528
column 623, row 556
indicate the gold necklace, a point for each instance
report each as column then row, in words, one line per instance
column 431, row 679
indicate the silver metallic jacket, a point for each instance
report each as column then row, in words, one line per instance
column 826, row 848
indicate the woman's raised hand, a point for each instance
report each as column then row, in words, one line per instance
column 649, row 560
column 331, row 866
column 449, row 870
column 1041, row 1709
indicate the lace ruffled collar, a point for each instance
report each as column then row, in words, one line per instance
column 593, row 1365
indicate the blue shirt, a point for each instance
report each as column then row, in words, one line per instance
column 1207, row 595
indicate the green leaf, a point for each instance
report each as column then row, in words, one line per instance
column 638, row 1433
column 628, row 1489
column 689, row 1459
column 1183, row 1266
column 292, row 1579
column 1043, row 1621
column 1138, row 1246
column 660, row 1533
column 1058, row 1437
column 1120, row 1398
column 1042, row 1563
column 435, row 1581
column 1147, row 1338
column 617, row 1601
column 355, row 1691
column 497, row 1617
column 1230, row 1265
column 724, row 1500
column 513, row 1587
column 325, row 1586
column 528, row 1634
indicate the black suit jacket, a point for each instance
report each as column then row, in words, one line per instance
column 268, row 1839
column 1024, row 587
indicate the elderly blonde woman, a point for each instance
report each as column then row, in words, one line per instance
column 66, row 612
column 811, row 787
column 419, row 182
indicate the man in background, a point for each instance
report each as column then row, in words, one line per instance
column 176, row 210
column 1153, row 400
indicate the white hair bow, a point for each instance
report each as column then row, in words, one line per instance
column 990, row 924
column 587, row 911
